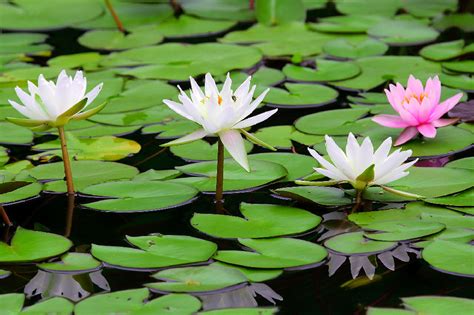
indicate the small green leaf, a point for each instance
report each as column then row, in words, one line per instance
column 89, row 113
column 64, row 117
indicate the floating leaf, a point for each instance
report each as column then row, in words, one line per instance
column 356, row 244
column 116, row 40
column 72, row 263
column 403, row 33
column 300, row 95
column 343, row 48
column 402, row 230
column 297, row 165
column 274, row 253
column 331, row 122
column 188, row 26
column 27, row 245
column 326, row 70
column 446, row 50
column 22, row 191
column 260, row 220
column 450, row 257
column 133, row 196
column 201, row 150
column 465, row 66
column 197, row 279
column 327, row 196
column 14, row 134
column 156, row 251
column 462, row 199
column 282, row 136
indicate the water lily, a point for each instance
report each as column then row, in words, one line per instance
column 52, row 104
column 361, row 166
column 223, row 114
column 418, row 108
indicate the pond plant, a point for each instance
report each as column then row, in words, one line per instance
column 340, row 133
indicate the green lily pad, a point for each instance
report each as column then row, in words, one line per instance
column 403, row 33
column 463, row 82
column 355, row 243
column 39, row 15
column 234, row 10
column 461, row 199
column 464, row 21
column 22, row 193
column 380, row 69
column 87, row 60
column 464, row 66
column 201, row 150
column 282, row 136
column 133, row 302
column 252, row 274
column 131, row 14
column 3, row 156
column 300, row 95
column 451, row 220
column 446, row 50
column 235, row 177
column 99, row 130
column 188, row 26
column 24, row 44
column 346, row 23
column 14, row 134
column 75, row 263
column 420, row 181
column 260, row 220
column 438, row 305
column 297, row 165
column 387, row 311
column 133, row 196
column 156, row 251
column 116, row 40
column 279, row 12
column 197, row 279
column 387, row 8
column 106, row 148
column 172, row 129
column 342, row 48
column 174, row 61
column 402, row 230
column 465, row 163
column 85, row 173
column 27, row 245
column 326, row 70
column 327, row 196
column 241, row 311
column 263, row 77
column 332, row 122
column 157, row 175
column 12, row 304
column 274, row 253
column 151, row 115
column 450, row 257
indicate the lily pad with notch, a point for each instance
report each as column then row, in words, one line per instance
column 29, row 246
column 12, row 192
column 12, row 303
column 326, row 70
column 155, row 251
column 332, row 122
column 450, row 257
column 297, row 165
column 139, row 196
column 260, row 221
column 462, row 199
column 327, row 196
column 342, row 48
column 403, row 32
column 271, row 253
column 85, row 173
column 201, row 279
column 401, row 230
column 355, row 243
column 135, row 302
column 282, row 136
column 446, row 50
column 72, row 263
column 236, row 179
column 201, row 150
column 116, row 40
column 300, row 96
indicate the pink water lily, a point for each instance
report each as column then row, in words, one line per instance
column 418, row 108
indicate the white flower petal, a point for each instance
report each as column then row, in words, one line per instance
column 389, row 177
column 178, row 108
column 243, row 89
column 93, row 93
column 255, row 119
column 339, row 159
column 329, row 174
column 254, row 104
column 382, row 152
column 392, row 162
column 323, row 162
column 23, row 110
column 196, row 135
column 234, row 143
column 210, row 87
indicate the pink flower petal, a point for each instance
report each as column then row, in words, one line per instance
column 445, row 107
column 427, row 130
column 415, row 85
column 390, row 121
column 406, row 135
column 444, row 122
column 407, row 116
column 433, row 89
column 425, row 110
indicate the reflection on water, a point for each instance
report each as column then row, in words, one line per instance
column 72, row 286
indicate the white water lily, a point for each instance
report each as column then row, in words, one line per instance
column 223, row 113
column 52, row 104
column 360, row 165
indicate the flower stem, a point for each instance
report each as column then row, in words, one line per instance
column 358, row 200
column 115, row 16
column 66, row 161
column 69, row 214
column 220, row 177
column 5, row 217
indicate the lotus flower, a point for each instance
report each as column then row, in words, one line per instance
column 223, row 113
column 53, row 104
column 419, row 110
column 360, row 165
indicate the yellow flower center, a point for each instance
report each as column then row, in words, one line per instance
column 419, row 98
column 219, row 100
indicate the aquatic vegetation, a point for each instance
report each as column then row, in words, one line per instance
column 323, row 213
